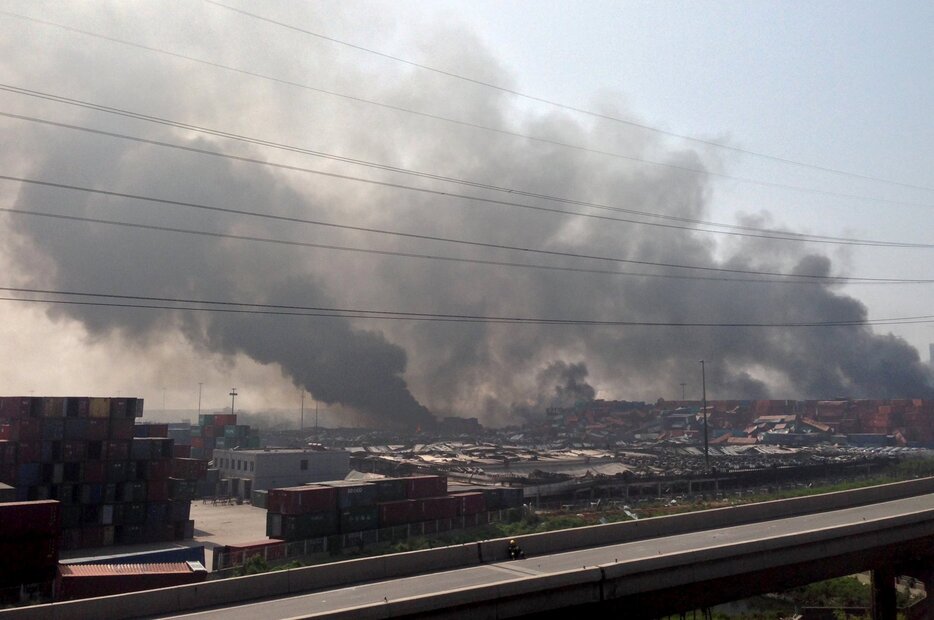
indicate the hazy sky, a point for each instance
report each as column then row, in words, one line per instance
column 844, row 86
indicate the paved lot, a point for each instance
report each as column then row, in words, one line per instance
column 215, row 525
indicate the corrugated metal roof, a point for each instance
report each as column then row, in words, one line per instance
column 103, row 570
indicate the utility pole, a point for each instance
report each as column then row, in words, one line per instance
column 316, row 420
column 199, row 400
column 704, row 400
column 163, row 400
column 682, row 391
column 233, row 398
column 302, row 428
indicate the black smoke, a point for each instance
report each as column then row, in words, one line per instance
column 393, row 372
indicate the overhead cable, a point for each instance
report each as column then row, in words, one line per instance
column 571, row 108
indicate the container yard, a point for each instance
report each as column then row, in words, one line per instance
column 117, row 482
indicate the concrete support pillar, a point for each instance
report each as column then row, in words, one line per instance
column 883, row 594
column 690, row 488
column 659, row 494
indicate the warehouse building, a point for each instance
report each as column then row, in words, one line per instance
column 270, row 468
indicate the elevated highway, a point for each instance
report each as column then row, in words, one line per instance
column 645, row 568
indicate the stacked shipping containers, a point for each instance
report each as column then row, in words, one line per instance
column 344, row 507
column 220, row 430
column 114, row 488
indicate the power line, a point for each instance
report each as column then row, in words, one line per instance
column 298, row 220
column 423, row 190
column 765, row 233
column 456, row 121
column 794, row 278
column 571, row 108
column 202, row 305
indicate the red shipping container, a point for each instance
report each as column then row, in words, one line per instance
column 116, row 450
column 30, row 452
column 39, row 519
column 189, row 469
column 26, row 429
column 77, row 581
column 396, row 513
column 271, row 549
column 197, row 442
column 74, row 451
column 6, row 432
column 417, row 487
column 208, row 432
column 181, row 452
column 158, row 470
column 121, row 428
column 93, row 472
column 469, row 503
column 158, row 491
column 159, row 430
column 432, row 508
column 27, row 555
column 15, row 407
column 98, row 429
column 302, row 500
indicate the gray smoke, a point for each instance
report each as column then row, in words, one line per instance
column 378, row 367
column 559, row 384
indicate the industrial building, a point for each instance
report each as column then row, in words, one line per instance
column 270, row 468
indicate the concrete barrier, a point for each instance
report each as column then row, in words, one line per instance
column 338, row 574
column 614, row 533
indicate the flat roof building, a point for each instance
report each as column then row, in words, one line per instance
column 271, row 468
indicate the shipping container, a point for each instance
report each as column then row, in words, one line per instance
column 433, row 508
column 52, row 407
column 390, row 489
column 116, row 450
column 16, row 407
column 179, row 511
column 269, row 549
column 396, row 513
column 469, row 503
column 182, row 451
column 157, row 490
column 418, row 487
column 26, row 429
column 258, row 498
column 29, row 452
column 121, row 428
column 359, row 519
column 30, row 519
column 76, row 581
column 304, row 499
column 189, row 469
column 98, row 429
column 301, row 526
column 52, row 429
column 183, row 490
column 352, row 494
column 99, row 407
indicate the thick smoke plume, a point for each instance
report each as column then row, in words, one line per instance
column 393, row 372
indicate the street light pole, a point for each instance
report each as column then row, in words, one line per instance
column 682, row 391
column 233, row 398
column 303, row 416
column 200, row 384
column 704, row 401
